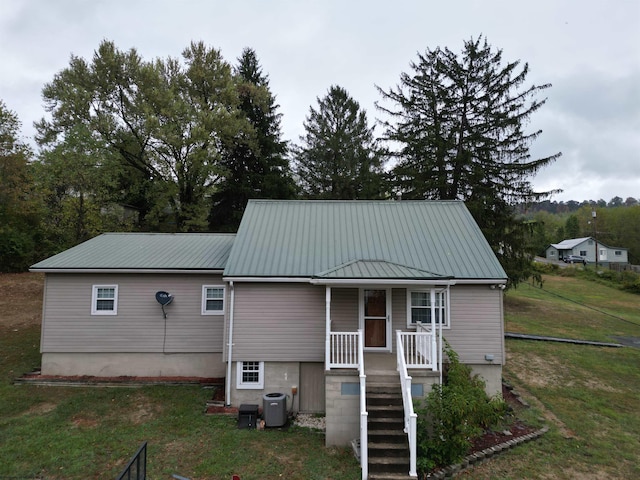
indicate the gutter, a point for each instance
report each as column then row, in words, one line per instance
column 123, row 270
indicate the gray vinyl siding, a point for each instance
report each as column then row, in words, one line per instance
column 344, row 309
column 279, row 322
column 476, row 323
column 139, row 325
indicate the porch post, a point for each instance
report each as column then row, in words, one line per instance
column 327, row 350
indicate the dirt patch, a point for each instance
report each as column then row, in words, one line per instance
column 143, row 411
column 81, row 421
column 536, row 371
column 21, row 299
column 41, row 409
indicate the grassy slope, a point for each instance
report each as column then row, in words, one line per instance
column 84, row 433
column 588, row 395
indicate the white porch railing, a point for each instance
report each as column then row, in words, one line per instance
column 410, row 417
column 420, row 348
column 344, row 350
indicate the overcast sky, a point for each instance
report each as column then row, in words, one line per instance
column 588, row 49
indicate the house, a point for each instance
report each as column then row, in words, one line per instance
column 309, row 298
column 100, row 314
column 586, row 248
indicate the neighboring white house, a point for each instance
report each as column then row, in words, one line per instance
column 586, row 248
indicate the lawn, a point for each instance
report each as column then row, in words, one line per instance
column 84, row 433
column 588, row 395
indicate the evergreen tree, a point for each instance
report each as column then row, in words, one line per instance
column 257, row 168
column 459, row 123
column 339, row 157
column 572, row 227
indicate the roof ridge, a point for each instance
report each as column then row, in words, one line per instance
column 363, row 260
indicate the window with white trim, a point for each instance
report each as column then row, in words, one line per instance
column 104, row 300
column 212, row 300
column 427, row 307
column 250, row 375
column 583, row 253
column 618, row 253
column 552, row 253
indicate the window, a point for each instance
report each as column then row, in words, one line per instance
column 552, row 253
column 212, row 300
column 104, row 300
column 250, row 375
column 618, row 253
column 583, row 253
column 425, row 305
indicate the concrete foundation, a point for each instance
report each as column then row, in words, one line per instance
column 342, row 404
column 279, row 377
column 208, row 365
column 492, row 375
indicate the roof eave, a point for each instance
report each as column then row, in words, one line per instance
column 382, row 281
column 127, row 270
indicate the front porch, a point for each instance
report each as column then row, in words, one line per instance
column 369, row 396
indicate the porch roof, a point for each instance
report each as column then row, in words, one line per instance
column 378, row 269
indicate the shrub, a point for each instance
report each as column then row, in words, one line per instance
column 453, row 414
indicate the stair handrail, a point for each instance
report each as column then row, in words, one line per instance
column 364, row 447
column 410, row 417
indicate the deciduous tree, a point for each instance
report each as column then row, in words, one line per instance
column 164, row 121
column 19, row 205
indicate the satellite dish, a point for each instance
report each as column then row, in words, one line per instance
column 164, row 298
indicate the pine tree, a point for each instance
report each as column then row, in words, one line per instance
column 460, row 123
column 339, row 157
column 255, row 167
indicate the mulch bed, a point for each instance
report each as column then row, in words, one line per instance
column 494, row 440
column 516, row 429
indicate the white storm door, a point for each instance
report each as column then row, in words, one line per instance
column 375, row 318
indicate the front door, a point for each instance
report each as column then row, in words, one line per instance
column 375, row 317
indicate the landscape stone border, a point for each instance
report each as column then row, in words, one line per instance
column 478, row 457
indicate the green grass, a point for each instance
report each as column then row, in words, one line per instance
column 589, row 396
column 69, row 433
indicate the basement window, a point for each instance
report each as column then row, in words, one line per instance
column 250, row 375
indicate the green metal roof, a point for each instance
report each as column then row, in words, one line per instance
column 144, row 251
column 361, row 239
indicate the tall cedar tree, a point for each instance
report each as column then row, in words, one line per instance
column 19, row 206
column 165, row 122
column 258, row 169
column 459, row 123
column 339, row 157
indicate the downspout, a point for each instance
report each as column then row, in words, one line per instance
column 227, row 383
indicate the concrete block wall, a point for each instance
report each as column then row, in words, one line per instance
column 342, row 408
